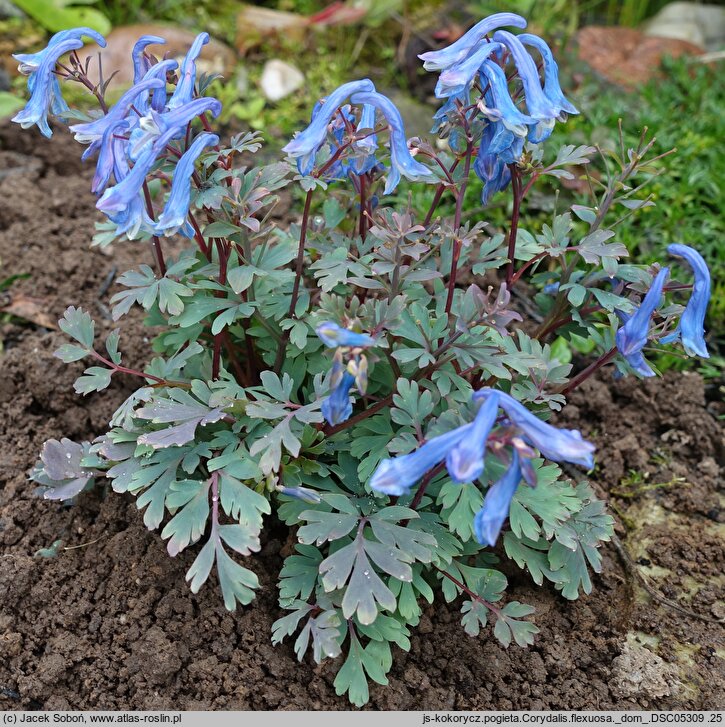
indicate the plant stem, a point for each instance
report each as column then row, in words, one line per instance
column 439, row 193
column 362, row 222
column 158, row 253
column 457, row 243
column 468, row 591
column 589, row 371
column 513, row 230
column 298, row 279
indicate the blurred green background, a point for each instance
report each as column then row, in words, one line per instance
column 611, row 74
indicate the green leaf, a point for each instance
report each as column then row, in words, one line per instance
column 298, row 576
column 188, row 525
column 352, row 679
column 323, row 526
column 95, row 378
column 507, row 627
column 9, row 104
column 221, row 229
column 55, row 15
column 475, row 616
column 79, row 325
column 460, row 503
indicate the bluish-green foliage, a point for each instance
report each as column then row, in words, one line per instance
column 352, row 374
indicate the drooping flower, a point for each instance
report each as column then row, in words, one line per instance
column 307, row 143
column 496, row 505
column 439, row 60
column 690, row 328
column 337, row 407
column 401, row 159
column 184, row 91
column 632, row 336
column 141, row 62
column 455, row 79
column 502, row 108
column 558, row 445
column 397, row 475
column 45, row 95
column 368, row 145
column 301, row 493
column 154, row 124
column 465, row 461
column 333, row 336
column 490, row 168
column 176, row 210
column 537, row 104
column 552, row 88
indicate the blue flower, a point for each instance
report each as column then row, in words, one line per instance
column 552, row 89
column 184, row 91
column 632, row 336
column 154, row 124
column 401, row 159
column 397, row 475
column 502, row 107
column 141, row 63
column 538, row 105
column 455, row 79
column 158, row 98
column 337, row 407
column 301, row 493
column 176, row 209
column 30, row 62
column 490, row 168
column 333, row 336
column 117, row 198
column 366, row 147
column 558, row 445
column 690, row 329
column 43, row 85
column 307, row 143
column 496, row 505
column 465, row 461
column 439, row 60
column 100, row 133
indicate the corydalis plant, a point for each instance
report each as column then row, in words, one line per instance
column 362, row 374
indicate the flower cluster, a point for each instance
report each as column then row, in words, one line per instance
column 635, row 332
column 464, row 450
column 478, row 63
column 332, row 117
column 337, row 407
column 134, row 134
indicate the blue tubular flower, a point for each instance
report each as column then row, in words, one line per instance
column 30, row 62
column 159, row 70
column 176, row 209
column 632, row 336
column 307, row 143
column 118, row 198
column 490, row 518
column 43, row 87
column 366, row 147
column 154, row 124
column 504, row 108
column 538, row 105
column 552, row 89
column 300, row 493
column 465, row 461
column 106, row 161
column 558, row 445
column 490, row 168
column 184, row 91
column 92, row 131
column 337, row 407
column 456, row 79
column 401, row 159
column 396, row 476
column 333, row 336
column 140, row 62
column 690, row 330
column 439, row 60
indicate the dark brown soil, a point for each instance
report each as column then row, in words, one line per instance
column 111, row 624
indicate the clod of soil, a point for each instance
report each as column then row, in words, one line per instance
column 111, row 624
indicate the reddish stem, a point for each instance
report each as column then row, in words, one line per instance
column 513, row 231
column 457, row 243
column 155, row 242
column 589, row 371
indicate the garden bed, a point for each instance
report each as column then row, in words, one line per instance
column 111, row 624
